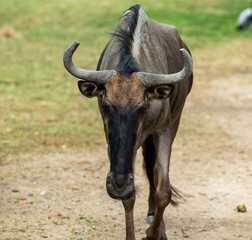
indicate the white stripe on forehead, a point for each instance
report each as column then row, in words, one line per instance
column 141, row 35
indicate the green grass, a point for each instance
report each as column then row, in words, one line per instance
column 41, row 109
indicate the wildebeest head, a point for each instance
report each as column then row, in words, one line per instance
column 123, row 102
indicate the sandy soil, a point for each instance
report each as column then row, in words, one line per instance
column 63, row 196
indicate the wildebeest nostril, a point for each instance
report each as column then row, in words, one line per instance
column 110, row 176
column 131, row 178
column 119, row 181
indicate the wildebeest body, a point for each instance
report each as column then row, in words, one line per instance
column 141, row 92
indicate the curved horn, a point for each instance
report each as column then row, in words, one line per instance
column 153, row 79
column 93, row 76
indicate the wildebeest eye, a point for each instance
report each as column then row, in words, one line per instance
column 142, row 109
column 105, row 106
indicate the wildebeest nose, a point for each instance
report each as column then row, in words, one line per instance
column 120, row 185
column 118, row 180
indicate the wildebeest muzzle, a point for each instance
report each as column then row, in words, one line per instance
column 120, row 186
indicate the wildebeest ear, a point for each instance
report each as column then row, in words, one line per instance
column 90, row 89
column 161, row 92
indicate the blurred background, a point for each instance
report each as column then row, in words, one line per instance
column 40, row 106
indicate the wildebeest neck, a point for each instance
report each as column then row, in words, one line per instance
column 122, row 135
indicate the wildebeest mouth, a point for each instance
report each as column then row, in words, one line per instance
column 123, row 197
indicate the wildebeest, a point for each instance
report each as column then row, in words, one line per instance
column 142, row 80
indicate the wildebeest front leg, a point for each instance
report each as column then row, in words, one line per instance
column 149, row 163
column 129, row 220
column 163, row 192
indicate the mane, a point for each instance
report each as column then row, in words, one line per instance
column 127, row 63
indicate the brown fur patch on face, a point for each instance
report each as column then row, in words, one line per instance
column 125, row 91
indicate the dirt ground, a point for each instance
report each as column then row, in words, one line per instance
column 63, row 195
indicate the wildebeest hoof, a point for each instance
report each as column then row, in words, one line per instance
column 149, row 219
column 163, row 238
